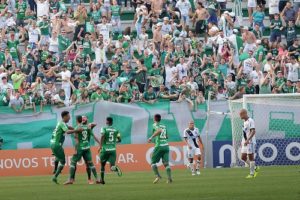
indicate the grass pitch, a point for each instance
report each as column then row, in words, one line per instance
column 278, row 183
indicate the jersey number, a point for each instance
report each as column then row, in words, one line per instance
column 163, row 134
column 84, row 135
column 111, row 137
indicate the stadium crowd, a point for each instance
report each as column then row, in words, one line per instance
column 64, row 53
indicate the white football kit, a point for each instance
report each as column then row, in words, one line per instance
column 250, row 148
column 191, row 136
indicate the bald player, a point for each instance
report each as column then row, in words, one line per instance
column 193, row 141
column 248, row 143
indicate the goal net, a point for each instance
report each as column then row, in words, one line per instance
column 277, row 124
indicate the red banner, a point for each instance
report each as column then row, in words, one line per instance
column 133, row 157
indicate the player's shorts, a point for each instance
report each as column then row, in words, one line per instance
column 248, row 149
column 193, row 152
column 108, row 156
column 160, row 153
column 58, row 152
column 86, row 154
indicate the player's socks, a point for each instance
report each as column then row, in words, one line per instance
column 101, row 177
column 102, row 173
column 198, row 167
column 193, row 170
column 55, row 166
column 72, row 171
column 247, row 163
column 93, row 170
column 155, row 170
column 59, row 169
column 252, row 167
column 88, row 172
column 168, row 170
column 188, row 165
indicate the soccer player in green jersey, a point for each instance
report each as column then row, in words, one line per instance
column 57, row 140
column 82, row 148
column 161, row 149
column 109, row 138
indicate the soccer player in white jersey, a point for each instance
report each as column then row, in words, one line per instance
column 248, row 143
column 193, row 140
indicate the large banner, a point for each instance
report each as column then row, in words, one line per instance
column 134, row 157
column 27, row 130
column 268, row 152
column 33, row 131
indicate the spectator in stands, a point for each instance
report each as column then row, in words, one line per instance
column 149, row 96
column 17, row 103
column 97, row 96
column 293, row 69
column 257, row 30
column 38, row 100
column 288, row 13
column 18, row 77
column 258, row 17
column 42, row 8
column 65, row 77
column 298, row 18
column 62, row 46
column 291, row 34
column 273, row 8
column 60, row 99
column 276, row 29
column 239, row 94
column 184, row 7
column 249, row 40
column 5, row 86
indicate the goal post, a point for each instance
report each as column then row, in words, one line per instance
column 277, row 124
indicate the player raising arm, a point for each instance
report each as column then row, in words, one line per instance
column 57, row 141
column 82, row 148
column 109, row 138
column 161, row 149
column 91, row 125
column 248, row 143
column 193, row 140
